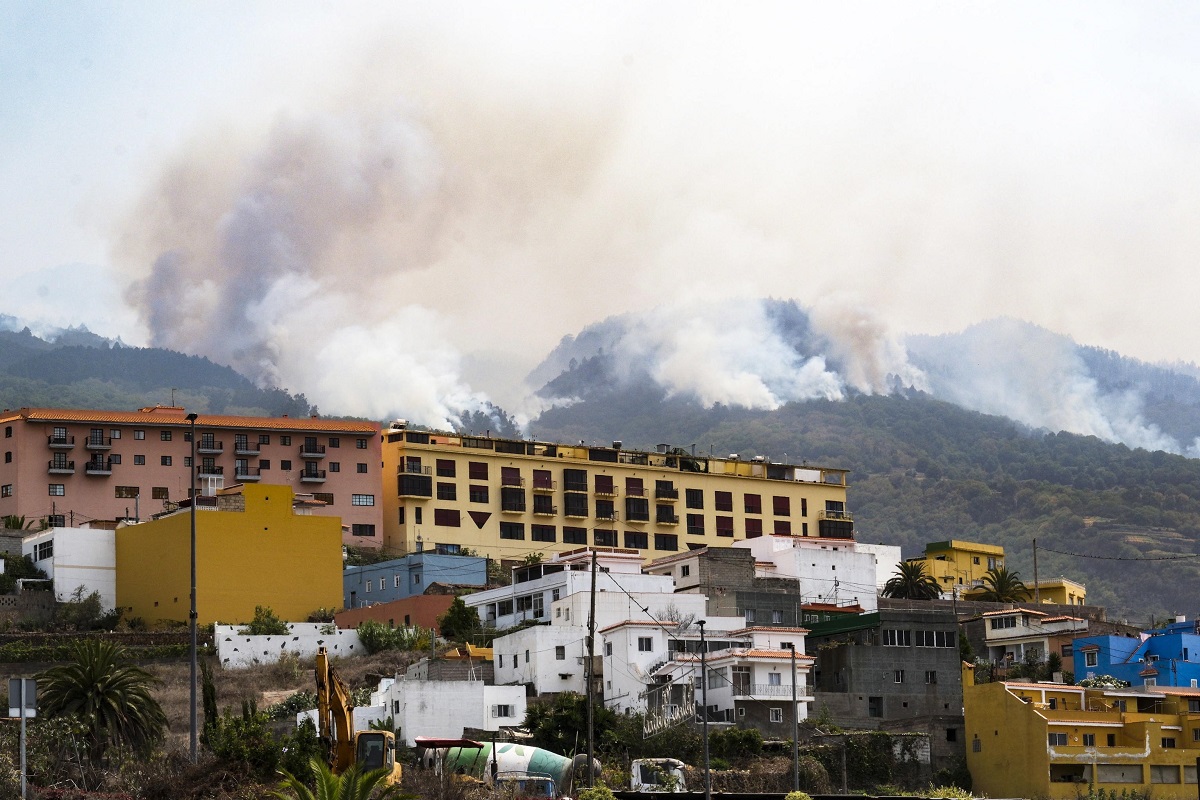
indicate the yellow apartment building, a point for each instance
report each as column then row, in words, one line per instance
column 1054, row 741
column 507, row 498
column 255, row 545
column 959, row 563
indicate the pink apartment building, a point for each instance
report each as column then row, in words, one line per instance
column 70, row 467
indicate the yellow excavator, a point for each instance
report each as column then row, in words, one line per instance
column 335, row 726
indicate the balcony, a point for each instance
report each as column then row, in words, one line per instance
column 415, row 469
column 606, row 491
column 635, row 491
column 544, row 487
column 312, row 476
column 209, row 469
column 512, row 506
column 312, row 450
column 667, row 519
column 98, row 467
column 765, row 691
column 608, row 515
column 246, row 448
column 575, row 486
column 545, row 511
column 416, row 486
column 844, row 516
column 60, row 442
column 666, row 494
column 98, row 443
column 210, row 447
column 243, row 474
column 62, row 467
column 516, row 483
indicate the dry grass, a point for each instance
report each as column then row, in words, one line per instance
column 264, row 685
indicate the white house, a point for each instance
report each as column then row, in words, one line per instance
column 445, row 708
column 75, row 557
column 827, row 570
column 550, row 657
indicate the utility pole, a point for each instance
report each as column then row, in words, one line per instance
column 590, row 677
column 1037, row 592
column 795, row 725
column 704, row 710
column 192, row 614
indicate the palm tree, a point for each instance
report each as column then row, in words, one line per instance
column 1002, row 586
column 350, row 785
column 112, row 697
column 910, row 582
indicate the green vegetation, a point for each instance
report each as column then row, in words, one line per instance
column 459, row 621
column 1002, row 586
column 350, row 785
column 377, row 637
column 911, row 582
column 21, row 567
column 265, row 623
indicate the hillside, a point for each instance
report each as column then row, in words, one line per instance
column 924, row 470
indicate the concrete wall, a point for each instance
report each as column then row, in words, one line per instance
column 236, row 650
column 84, row 557
column 531, row 656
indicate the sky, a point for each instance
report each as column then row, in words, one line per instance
column 400, row 208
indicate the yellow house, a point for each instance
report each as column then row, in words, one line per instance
column 255, row 545
column 1063, row 591
column 959, row 563
column 1054, row 741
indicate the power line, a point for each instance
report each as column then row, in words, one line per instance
column 1121, row 558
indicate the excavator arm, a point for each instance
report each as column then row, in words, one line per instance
column 335, row 714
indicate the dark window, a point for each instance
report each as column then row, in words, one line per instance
column 285, row 464
column 723, row 501
column 783, row 527
column 694, row 498
column 512, row 530
column 160, row 493
column 512, row 498
column 782, row 506
column 128, row 491
column 634, row 488
column 510, row 476
column 264, row 463
column 753, row 504
column 445, row 468
column 361, row 444
column 637, row 509
column 8, row 457
column 695, row 524
column 604, row 485
column 605, row 510
column 576, row 505
column 115, row 458
column 360, row 529
column 544, row 504
column 665, row 515
column 264, row 438
column 543, row 479
column 479, row 494
column 324, row 497
column 804, row 506
column 336, row 466
column 139, row 460
column 285, row 440
column 724, row 526
column 543, row 533
column 605, row 538
column 446, row 491
column 637, row 539
column 753, row 528
column 165, row 461
column 477, row 470
column 665, row 490
column 575, row 480
column 362, row 469
column 447, row 517
column 164, row 436
column 574, row 535
column 665, row 541
column 874, row 706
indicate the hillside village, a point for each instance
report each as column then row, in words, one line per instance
column 681, row 588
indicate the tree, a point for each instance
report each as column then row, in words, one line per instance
column 265, row 623
column 350, row 785
column 910, row 582
column 1002, row 586
column 459, row 621
column 111, row 697
column 13, row 522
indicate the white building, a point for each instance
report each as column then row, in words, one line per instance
column 446, row 708
column 75, row 557
column 887, row 556
column 536, row 587
column 550, row 657
column 833, row 571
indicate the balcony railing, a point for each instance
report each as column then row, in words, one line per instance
column 545, row 511
column 246, row 448
column 635, row 491
column 753, row 690
column 575, row 486
column 513, row 482
column 98, row 467
column 612, row 515
column 246, row 473
column 544, row 486
column 312, row 476
column 62, row 467
column 667, row 519
column 60, row 442
column 209, row 469
column 210, row 446
column 512, row 506
column 606, row 491
column 666, row 494
column 415, row 469
column 98, row 443
column 312, row 451
column 845, row 516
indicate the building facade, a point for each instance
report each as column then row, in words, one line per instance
column 399, row 578
column 70, row 467
column 1026, row 635
column 1167, row 656
column 252, row 549
column 76, row 558
column 506, row 498
column 960, row 566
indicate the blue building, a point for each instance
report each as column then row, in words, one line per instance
column 1167, row 656
column 407, row 576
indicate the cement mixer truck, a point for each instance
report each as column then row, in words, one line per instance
column 531, row 771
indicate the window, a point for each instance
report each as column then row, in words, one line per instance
column 164, row 461
column 1089, row 659
column 574, row 536
column 543, row 533
column 164, row 436
column 896, row 638
column 264, row 438
column 1196, row 734
column 637, row 509
column 575, row 505
column 335, row 441
column 335, row 466
column 951, row 734
column 44, row 550
column 1057, row 739
column 637, row 539
column 606, row 538
column 723, row 501
column 694, row 498
column 264, row 464
column 8, row 431
column 285, row 464
column 783, row 527
column 776, row 617
column 976, row 746
column 803, row 506
column 139, row 435
column 128, row 491
column 360, row 529
column 445, row 491
column 187, row 461
column 724, row 526
column 751, row 616
column 361, row 444
column 1111, row 739
column 362, row 499
column 478, row 494
column 1004, row 622
column 608, row 648
column 685, row 571
column 782, row 506
column 8, row 457
column 560, row 653
column 1089, row 740
column 776, row 715
column 477, row 470
column 930, row 676
column 58, row 490
column 445, row 468
column 139, row 461
column 447, row 517
column 665, row 541
column 285, row 440
column 898, row 676
column 323, row 497
column 512, row 530
column 1168, row 742
column 753, row 528
column 6, row 490
column 645, row 644
column 695, row 523
column 753, row 504
column 160, row 493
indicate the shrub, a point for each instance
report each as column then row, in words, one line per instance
column 598, row 792
column 265, row 623
column 798, row 796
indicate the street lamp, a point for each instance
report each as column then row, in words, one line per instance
column 704, row 710
column 192, row 614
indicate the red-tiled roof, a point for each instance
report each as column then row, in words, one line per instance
column 1013, row 611
column 169, row 416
